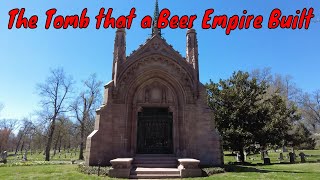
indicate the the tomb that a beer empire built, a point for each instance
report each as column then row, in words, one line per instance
column 155, row 104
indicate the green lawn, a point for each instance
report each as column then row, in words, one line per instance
column 275, row 171
column 43, row 172
column 39, row 156
column 307, row 171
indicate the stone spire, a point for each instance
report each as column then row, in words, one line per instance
column 119, row 53
column 155, row 30
column 192, row 54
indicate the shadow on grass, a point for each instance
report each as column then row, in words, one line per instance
column 243, row 168
column 253, row 168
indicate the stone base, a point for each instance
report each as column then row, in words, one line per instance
column 189, row 168
column 121, row 168
column 119, row 173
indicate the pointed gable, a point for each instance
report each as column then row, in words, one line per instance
column 155, row 46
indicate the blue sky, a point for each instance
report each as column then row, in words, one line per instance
column 26, row 56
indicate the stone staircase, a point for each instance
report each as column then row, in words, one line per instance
column 153, row 166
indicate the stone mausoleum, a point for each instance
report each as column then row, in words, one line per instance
column 154, row 108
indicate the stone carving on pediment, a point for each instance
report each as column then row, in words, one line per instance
column 154, row 93
column 142, row 65
column 156, row 45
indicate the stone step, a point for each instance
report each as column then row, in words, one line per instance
column 156, row 158
column 154, row 173
column 140, row 170
column 154, row 176
column 155, row 155
column 155, row 161
column 156, row 165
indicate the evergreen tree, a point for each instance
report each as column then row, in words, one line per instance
column 245, row 115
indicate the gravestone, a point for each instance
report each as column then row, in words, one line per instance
column 24, row 157
column 284, row 149
column 266, row 161
column 245, row 155
column 292, row 157
column 281, row 157
column 4, row 156
column 302, row 157
column 238, row 157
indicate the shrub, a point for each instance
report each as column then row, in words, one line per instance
column 104, row 171
column 212, row 170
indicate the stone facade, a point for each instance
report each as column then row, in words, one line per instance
column 155, row 75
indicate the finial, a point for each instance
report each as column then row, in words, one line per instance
column 155, row 29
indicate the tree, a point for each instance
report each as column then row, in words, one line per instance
column 278, row 121
column 25, row 129
column 60, row 137
column 282, row 85
column 54, row 93
column 85, row 106
column 310, row 107
column 244, row 115
column 301, row 137
column 7, row 126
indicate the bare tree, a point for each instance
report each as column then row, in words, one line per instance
column 310, row 107
column 84, row 105
column 25, row 129
column 262, row 75
column 54, row 93
column 7, row 126
column 283, row 85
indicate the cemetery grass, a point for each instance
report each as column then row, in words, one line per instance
column 307, row 171
column 44, row 172
column 253, row 171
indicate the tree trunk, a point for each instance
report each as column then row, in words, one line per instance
column 60, row 144
column 82, row 142
column 55, row 147
column 49, row 140
column 56, row 144
column 18, row 144
column 22, row 146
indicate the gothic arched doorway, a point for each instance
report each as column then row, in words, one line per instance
column 155, row 131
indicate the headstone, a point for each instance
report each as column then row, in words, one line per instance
column 281, row 157
column 4, row 156
column 291, row 157
column 284, row 149
column 25, row 156
column 302, row 157
column 266, row 161
column 238, row 157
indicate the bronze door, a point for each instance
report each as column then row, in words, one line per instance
column 154, row 131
